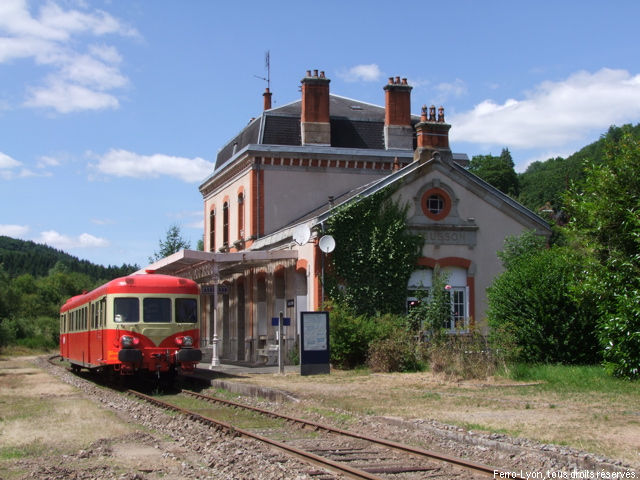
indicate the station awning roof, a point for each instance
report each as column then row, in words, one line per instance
column 201, row 265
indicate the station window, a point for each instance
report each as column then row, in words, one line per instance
column 126, row 310
column 240, row 216
column 225, row 224
column 436, row 203
column 212, row 230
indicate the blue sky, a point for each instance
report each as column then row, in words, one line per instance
column 112, row 112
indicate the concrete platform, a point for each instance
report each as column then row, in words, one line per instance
column 229, row 377
column 240, row 369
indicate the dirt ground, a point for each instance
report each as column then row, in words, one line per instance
column 97, row 443
column 605, row 424
column 48, row 428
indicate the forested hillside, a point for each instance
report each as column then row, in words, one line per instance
column 19, row 256
column 546, row 182
column 543, row 185
column 35, row 280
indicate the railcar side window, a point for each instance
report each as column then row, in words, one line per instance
column 126, row 309
column 186, row 310
column 156, row 310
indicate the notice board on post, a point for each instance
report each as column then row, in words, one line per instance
column 314, row 343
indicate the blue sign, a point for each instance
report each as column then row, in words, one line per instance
column 286, row 321
column 210, row 289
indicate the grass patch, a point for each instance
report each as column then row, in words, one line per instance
column 240, row 418
column 572, row 378
column 340, row 417
column 11, row 351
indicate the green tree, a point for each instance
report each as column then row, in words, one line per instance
column 605, row 216
column 374, row 255
column 172, row 243
column 534, row 301
column 497, row 171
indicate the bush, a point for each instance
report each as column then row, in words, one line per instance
column 41, row 333
column 464, row 356
column 534, row 298
column 401, row 352
column 352, row 334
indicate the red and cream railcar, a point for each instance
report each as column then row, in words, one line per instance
column 145, row 322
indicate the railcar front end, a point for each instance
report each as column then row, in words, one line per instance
column 139, row 323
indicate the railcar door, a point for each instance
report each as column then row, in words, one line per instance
column 95, row 348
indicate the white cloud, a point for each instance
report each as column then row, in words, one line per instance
column 76, row 80
column 11, row 168
column 57, row 240
column 6, row 162
column 457, row 88
column 65, row 97
column 15, row 231
column 122, row 163
column 554, row 113
column 363, row 73
column 46, row 161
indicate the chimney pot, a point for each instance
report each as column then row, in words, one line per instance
column 267, row 99
column 424, row 117
column 404, row 81
column 314, row 115
column 432, row 113
column 398, row 132
column 432, row 133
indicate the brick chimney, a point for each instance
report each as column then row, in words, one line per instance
column 267, row 98
column 314, row 118
column 433, row 135
column 398, row 132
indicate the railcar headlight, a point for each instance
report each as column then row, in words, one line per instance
column 185, row 341
column 127, row 341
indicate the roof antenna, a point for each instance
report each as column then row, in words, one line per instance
column 267, row 64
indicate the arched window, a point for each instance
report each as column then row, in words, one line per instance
column 225, row 224
column 212, row 230
column 420, row 286
column 240, row 216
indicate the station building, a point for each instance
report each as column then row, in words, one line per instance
column 288, row 171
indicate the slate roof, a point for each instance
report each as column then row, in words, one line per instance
column 354, row 124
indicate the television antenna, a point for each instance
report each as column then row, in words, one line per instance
column 267, row 65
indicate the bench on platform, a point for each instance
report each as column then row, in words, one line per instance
column 269, row 354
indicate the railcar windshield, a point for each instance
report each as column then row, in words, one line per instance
column 186, row 310
column 157, row 310
column 126, row 310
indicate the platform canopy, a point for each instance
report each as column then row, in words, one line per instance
column 198, row 265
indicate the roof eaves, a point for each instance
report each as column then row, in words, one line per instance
column 502, row 196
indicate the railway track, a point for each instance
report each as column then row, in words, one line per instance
column 349, row 453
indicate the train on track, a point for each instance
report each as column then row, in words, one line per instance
column 139, row 324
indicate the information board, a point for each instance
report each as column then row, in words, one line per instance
column 314, row 344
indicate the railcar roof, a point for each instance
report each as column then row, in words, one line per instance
column 137, row 283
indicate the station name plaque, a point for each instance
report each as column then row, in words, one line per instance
column 314, row 345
